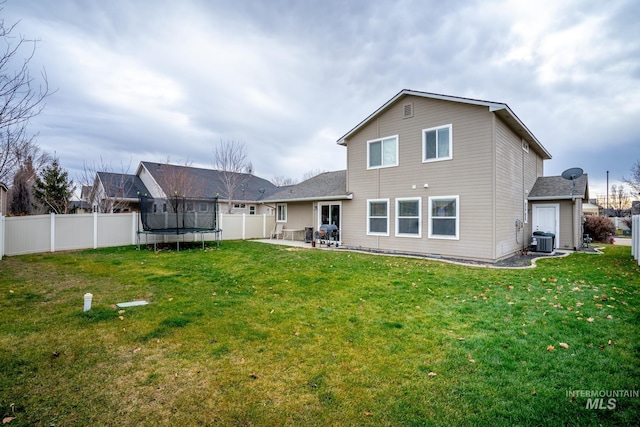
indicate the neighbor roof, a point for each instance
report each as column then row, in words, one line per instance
column 325, row 186
column 208, row 183
column 559, row 188
column 502, row 110
column 121, row 185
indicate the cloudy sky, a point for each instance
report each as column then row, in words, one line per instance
column 168, row 80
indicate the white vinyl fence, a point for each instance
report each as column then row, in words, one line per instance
column 635, row 237
column 51, row 233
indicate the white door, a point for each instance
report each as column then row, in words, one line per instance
column 546, row 218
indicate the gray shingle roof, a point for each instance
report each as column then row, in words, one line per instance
column 325, row 186
column 121, row 185
column 207, row 183
column 558, row 188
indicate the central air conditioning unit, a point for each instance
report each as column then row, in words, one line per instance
column 544, row 242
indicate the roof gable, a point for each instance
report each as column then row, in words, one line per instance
column 501, row 110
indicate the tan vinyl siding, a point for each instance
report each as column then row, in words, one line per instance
column 516, row 172
column 299, row 215
column 570, row 235
column 468, row 175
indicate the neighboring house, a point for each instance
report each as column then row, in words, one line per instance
column 557, row 207
column 436, row 175
column 3, row 199
column 114, row 192
column 162, row 180
column 316, row 201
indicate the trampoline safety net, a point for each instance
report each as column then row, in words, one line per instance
column 178, row 215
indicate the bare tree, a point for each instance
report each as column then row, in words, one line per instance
column 310, row 174
column 20, row 99
column 619, row 200
column 634, row 180
column 230, row 159
column 281, row 181
column 105, row 192
column 20, row 195
column 177, row 181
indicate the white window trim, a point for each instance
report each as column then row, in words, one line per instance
column 372, row 233
column 409, row 199
column 284, row 210
column 439, row 236
column 424, row 144
column 371, row 141
column 525, row 146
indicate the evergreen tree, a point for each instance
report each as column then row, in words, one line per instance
column 53, row 188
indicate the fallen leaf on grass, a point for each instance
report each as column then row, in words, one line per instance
column 135, row 350
column 121, row 317
column 590, row 319
column 7, row 420
column 564, row 345
column 533, row 393
column 460, row 339
column 550, row 348
column 432, row 374
column 609, row 316
column 368, row 414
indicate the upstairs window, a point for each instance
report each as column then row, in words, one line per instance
column 382, row 153
column 437, row 143
column 378, row 217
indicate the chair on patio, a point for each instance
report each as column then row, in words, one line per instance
column 277, row 231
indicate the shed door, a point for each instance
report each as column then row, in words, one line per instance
column 546, row 218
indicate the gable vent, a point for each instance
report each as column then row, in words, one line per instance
column 407, row 110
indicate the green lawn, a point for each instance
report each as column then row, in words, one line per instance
column 255, row 334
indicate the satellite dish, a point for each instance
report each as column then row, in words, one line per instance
column 572, row 174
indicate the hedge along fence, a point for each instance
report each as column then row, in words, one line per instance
column 635, row 237
column 51, row 233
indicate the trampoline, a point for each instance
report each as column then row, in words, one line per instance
column 178, row 216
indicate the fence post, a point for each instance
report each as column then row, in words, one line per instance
column 264, row 226
column 134, row 228
column 635, row 237
column 1, row 236
column 95, row 230
column 52, row 244
column 244, row 225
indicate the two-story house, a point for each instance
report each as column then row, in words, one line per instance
column 441, row 175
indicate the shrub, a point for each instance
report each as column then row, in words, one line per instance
column 599, row 228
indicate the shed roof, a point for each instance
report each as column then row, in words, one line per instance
column 559, row 188
column 325, row 186
column 502, row 110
